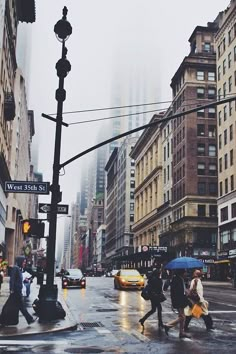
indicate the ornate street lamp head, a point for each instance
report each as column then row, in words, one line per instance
column 63, row 28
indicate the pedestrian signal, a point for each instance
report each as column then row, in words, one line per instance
column 33, row 228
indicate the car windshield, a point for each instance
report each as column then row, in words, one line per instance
column 127, row 272
column 74, row 272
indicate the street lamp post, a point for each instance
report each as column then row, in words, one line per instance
column 48, row 291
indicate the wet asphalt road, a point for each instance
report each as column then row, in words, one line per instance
column 108, row 323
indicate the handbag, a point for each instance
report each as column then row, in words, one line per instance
column 197, row 311
column 146, row 293
column 193, row 295
column 160, row 297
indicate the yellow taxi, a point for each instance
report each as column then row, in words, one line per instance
column 128, row 279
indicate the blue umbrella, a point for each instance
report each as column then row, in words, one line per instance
column 184, row 263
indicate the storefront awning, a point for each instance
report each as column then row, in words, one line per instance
column 222, row 261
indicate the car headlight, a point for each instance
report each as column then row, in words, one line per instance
column 122, row 280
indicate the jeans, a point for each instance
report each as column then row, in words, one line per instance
column 206, row 318
column 155, row 306
column 20, row 303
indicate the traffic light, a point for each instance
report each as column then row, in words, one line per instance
column 33, row 228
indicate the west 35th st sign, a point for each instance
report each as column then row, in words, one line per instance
column 27, row 187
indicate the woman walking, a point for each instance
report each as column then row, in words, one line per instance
column 155, row 286
column 196, row 283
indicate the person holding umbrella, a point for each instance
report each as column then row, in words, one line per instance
column 179, row 301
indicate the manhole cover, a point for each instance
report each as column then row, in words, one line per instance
column 106, row 310
column 90, row 324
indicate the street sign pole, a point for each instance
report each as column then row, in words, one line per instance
column 48, row 293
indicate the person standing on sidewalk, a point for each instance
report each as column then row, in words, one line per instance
column 16, row 285
column 179, row 301
column 155, row 285
column 196, row 283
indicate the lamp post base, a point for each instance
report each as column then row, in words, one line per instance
column 47, row 307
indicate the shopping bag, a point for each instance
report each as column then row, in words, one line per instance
column 10, row 312
column 197, row 311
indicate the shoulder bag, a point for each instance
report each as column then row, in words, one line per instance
column 193, row 295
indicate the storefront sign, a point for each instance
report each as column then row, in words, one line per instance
column 232, row 254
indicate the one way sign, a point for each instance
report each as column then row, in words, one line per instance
column 46, row 208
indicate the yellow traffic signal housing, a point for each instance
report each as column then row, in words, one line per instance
column 33, row 228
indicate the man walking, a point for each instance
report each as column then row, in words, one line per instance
column 16, row 285
column 179, row 301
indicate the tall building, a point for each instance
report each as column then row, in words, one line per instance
column 194, row 192
column 225, row 40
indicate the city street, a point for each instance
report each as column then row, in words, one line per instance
column 108, row 323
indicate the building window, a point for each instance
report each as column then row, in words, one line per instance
column 211, row 93
column 131, row 218
column 201, row 210
column 224, row 89
column 201, row 188
column 233, row 210
column 131, row 195
column 213, row 188
column 225, row 136
column 226, row 161
column 201, row 149
column 132, row 162
column 219, row 72
column 220, row 141
column 230, row 108
column 235, row 53
column 211, row 76
column 200, row 92
column 221, row 189
column 200, row 75
column 131, row 206
column 220, row 164
column 225, row 112
column 230, row 83
column 132, row 172
column 207, row 48
column 229, row 59
column 212, row 169
column 211, row 131
column 231, row 132
column 231, row 157
column 219, row 118
column 212, row 150
column 224, row 66
column 232, row 183
column 132, row 184
column 224, row 214
column 211, row 112
column 200, row 129
column 201, row 113
column 226, row 186
column 213, row 211
column 201, row 168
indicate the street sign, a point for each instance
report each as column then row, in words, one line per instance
column 61, row 208
column 27, row 187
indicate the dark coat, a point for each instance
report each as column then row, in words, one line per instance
column 177, row 293
column 16, row 280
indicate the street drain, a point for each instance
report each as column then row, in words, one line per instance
column 84, row 350
column 90, row 325
column 106, row 310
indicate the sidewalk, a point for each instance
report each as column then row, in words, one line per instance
column 22, row 329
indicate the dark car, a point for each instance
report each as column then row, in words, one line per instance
column 73, row 278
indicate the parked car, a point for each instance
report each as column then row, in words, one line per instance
column 128, row 279
column 73, row 278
